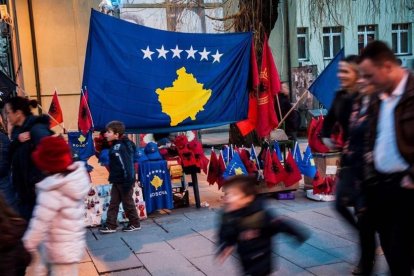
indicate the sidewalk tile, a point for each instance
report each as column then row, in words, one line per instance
column 324, row 240
column 115, row 258
column 87, row 269
column 305, row 255
column 209, row 266
column 130, row 272
column 332, row 269
column 349, row 254
column 86, row 257
column 145, row 243
column 193, row 246
column 167, row 263
column 283, row 267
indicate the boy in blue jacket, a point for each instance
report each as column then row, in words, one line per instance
column 122, row 176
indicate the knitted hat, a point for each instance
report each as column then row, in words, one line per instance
column 52, row 155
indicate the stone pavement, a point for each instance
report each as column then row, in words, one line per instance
column 183, row 243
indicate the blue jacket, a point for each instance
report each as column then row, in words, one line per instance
column 121, row 162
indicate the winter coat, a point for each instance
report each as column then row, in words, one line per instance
column 251, row 229
column 121, row 162
column 24, row 174
column 6, row 187
column 404, row 128
column 58, row 216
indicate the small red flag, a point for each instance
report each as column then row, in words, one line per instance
column 293, row 174
column 248, row 125
column 84, row 117
column 213, row 168
column 274, row 172
column 314, row 135
column 220, row 172
column 269, row 87
column 55, row 111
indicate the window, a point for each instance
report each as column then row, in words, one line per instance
column 303, row 44
column 332, row 41
column 401, row 39
column 366, row 34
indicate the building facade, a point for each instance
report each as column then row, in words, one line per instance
column 351, row 24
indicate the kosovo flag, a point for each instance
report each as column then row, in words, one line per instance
column 235, row 167
column 278, row 151
column 81, row 145
column 308, row 167
column 160, row 81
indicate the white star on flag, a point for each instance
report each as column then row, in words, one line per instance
column 162, row 52
column 176, row 52
column 147, row 53
column 191, row 52
column 204, row 54
column 216, row 56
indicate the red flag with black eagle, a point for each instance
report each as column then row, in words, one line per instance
column 248, row 125
column 221, row 170
column 55, row 111
column 269, row 87
column 293, row 174
column 85, row 122
column 213, row 168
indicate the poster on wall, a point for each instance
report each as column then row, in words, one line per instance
column 302, row 78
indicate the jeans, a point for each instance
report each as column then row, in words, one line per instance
column 120, row 195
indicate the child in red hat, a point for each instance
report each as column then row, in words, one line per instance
column 57, row 229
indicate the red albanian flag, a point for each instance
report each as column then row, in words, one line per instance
column 220, row 172
column 84, row 117
column 55, row 111
column 248, row 125
column 293, row 174
column 213, row 168
column 269, row 87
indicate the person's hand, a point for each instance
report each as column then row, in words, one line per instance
column 225, row 254
column 24, row 137
column 407, row 182
column 328, row 142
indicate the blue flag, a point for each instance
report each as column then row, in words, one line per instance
column 235, row 167
column 253, row 156
column 326, row 84
column 81, row 145
column 297, row 155
column 308, row 166
column 277, row 149
column 160, row 81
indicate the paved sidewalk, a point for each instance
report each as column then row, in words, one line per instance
column 183, row 243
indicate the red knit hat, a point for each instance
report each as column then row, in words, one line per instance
column 52, row 155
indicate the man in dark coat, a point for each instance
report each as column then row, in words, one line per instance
column 390, row 155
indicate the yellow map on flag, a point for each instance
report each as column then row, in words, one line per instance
column 185, row 98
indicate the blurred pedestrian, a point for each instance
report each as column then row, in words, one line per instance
column 390, row 155
column 122, row 175
column 248, row 223
column 14, row 258
column 57, row 231
column 339, row 114
column 27, row 131
column 6, row 187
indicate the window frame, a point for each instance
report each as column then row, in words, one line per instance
column 305, row 36
column 398, row 32
column 331, row 34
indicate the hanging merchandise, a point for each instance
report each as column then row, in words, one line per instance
column 156, row 182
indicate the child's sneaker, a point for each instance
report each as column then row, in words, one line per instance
column 130, row 228
column 106, row 230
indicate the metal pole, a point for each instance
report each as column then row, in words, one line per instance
column 194, row 181
column 35, row 60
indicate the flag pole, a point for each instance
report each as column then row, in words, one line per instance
column 53, row 119
column 292, row 108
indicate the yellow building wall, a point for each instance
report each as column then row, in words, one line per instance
column 61, row 30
